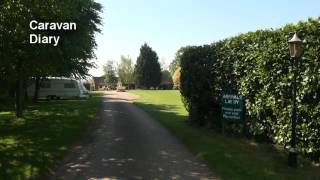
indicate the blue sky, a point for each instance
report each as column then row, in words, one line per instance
column 167, row 25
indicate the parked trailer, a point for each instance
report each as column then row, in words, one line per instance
column 59, row 88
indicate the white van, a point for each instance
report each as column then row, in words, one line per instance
column 59, row 88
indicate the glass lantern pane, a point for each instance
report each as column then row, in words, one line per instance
column 292, row 49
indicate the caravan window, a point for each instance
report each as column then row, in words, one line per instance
column 45, row 84
column 69, row 85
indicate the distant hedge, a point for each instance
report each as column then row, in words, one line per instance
column 258, row 65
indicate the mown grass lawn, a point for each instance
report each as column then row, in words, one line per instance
column 31, row 146
column 228, row 157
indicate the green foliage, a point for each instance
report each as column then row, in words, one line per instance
column 175, row 64
column 126, row 70
column 258, row 65
column 147, row 69
column 166, row 80
column 19, row 60
column 75, row 50
column 196, row 87
column 110, row 73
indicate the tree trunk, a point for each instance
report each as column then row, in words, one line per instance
column 19, row 91
column 25, row 86
column 19, row 97
column 36, row 90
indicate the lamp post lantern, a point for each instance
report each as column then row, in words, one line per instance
column 295, row 47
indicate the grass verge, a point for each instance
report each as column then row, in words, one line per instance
column 30, row 146
column 228, row 157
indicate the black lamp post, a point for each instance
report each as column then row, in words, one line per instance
column 295, row 47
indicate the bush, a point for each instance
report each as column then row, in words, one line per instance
column 258, row 66
column 195, row 84
column 176, row 78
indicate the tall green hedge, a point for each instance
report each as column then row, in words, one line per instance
column 196, row 88
column 258, row 65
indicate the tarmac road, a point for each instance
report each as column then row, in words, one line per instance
column 126, row 143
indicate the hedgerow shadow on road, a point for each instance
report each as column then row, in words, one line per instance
column 169, row 116
column 125, row 143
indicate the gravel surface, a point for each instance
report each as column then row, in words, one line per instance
column 126, row 143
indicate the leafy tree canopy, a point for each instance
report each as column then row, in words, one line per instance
column 126, row 70
column 175, row 64
column 110, row 72
column 20, row 60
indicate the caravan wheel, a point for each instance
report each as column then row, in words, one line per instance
column 51, row 97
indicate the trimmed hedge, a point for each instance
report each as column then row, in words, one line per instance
column 258, row 65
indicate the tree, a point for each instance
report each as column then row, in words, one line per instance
column 196, row 87
column 166, row 80
column 176, row 78
column 126, row 70
column 73, row 56
column 175, row 64
column 110, row 74
column 147, row 68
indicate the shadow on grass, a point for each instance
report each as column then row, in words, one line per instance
column 229, row 157
column 30, row 146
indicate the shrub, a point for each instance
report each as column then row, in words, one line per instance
column 195, row 84
column 176, row 78
column 258, row 66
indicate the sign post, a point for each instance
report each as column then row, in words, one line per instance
column 232, row 108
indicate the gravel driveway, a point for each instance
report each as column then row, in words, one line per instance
column 126, row 143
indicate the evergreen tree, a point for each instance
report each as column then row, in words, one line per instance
column 147, row 68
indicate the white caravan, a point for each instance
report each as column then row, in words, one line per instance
column 60, row 88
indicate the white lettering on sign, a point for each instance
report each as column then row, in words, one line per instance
column 230, row 117
column 230, row 96
column 232, row 106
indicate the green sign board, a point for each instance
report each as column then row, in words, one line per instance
column 232, row 108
